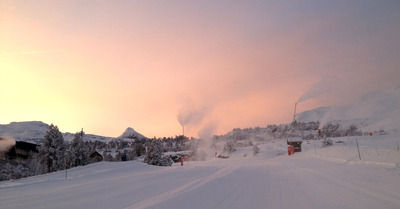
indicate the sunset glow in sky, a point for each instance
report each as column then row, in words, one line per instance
column 108, row 65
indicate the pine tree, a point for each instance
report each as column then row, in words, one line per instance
column 33, row 164
column 130, row 154
column 107, row 156
column 154, row 155
column 78, row 152
column 51, row 152
column 139, row 148
column 118, row 157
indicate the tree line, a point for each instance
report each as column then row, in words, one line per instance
column 55, row 154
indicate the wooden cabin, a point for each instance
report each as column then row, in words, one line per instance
column 20, row 151
column 96, row 157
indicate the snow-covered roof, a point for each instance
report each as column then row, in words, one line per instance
column 295, row 139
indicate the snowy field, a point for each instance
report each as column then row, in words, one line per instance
column 332, row 177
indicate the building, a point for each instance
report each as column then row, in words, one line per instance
column 295, row 142
column 96, row 157
column 20, row 151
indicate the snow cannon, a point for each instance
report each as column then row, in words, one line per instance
column 290, row 150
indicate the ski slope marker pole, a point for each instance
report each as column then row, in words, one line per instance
column 358, row 149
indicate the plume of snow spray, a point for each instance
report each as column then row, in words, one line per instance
column 206, row 133
column 192, row 116
column 325, row 86
column 197, row 117
column 5, row 145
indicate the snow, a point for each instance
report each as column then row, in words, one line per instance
column 295, row 139
column 34, row 131
column 374, row 111
column 130, row 133
column 331, row 177
column 24, row 131
column 318, row 177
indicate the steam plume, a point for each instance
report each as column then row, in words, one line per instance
column 325, row 86
column 5, row 145
column 193, row 115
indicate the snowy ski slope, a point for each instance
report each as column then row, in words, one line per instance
column 319, row 177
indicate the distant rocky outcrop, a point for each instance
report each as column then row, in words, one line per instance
column 130, row 133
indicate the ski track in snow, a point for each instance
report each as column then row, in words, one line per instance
column 180, row 190
column 304, row 181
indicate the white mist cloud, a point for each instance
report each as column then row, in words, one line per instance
column 207, row 131
column 195, row 115
column 191, row 115
column 6, row 144
column 323, row 87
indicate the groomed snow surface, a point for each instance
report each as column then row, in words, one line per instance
column 332, row 177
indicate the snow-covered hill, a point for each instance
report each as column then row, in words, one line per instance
column 87, row 137
column 375, row 111
column 30, row 131
column 34, row 131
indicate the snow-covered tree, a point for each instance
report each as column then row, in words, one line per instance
column 118, row 156
column 256, row 150
column 139, row 149
column 130, row 154
column 112, row 145
column 107, row 156
column 20, row 171
column 78, row 151
column 12, row 171
column 154, row 155
column 229, row 147
column 51, row 152
column 6, row 172
column 180, row 142
column 33, row 164
column 326, row 142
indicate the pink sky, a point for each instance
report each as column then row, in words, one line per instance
column 109, row 65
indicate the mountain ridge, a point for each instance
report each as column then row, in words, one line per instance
column 374, row 111
column 34, row 131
